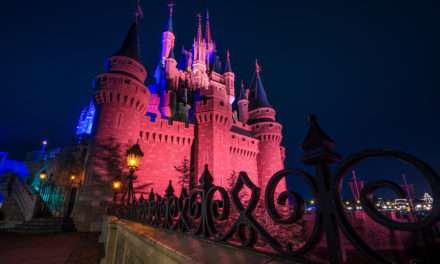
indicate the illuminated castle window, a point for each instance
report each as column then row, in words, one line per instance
column 86, row 118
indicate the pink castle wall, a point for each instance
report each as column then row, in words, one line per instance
column 165, row 146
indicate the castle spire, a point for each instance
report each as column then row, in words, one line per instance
column 228, row 67
column 199, row 35
column 169, row 27
column 130, row 46
column 242, row 94
column 139, row 14
column 208, row 33
column 259, row 99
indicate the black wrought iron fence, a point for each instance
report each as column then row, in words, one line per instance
column 206, row 211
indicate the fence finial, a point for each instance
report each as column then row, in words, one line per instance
column 317, row 145
column 206, row 180
column 170, row 190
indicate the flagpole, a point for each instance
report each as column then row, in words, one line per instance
column 139, row 14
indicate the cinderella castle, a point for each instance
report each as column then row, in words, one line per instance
column 191, row 112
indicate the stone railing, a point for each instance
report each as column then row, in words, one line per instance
column 128, row 242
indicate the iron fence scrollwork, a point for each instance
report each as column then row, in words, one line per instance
column 200, row 211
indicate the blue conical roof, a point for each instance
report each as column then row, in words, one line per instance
column 259, row 97
column 242, row 94
column 228, row 67
column 130, row 47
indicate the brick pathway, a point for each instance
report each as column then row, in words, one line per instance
column 62, row 248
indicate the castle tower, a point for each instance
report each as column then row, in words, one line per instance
column 168, row 67
column 265, row 127
column 214, row 121
column 168, row 35
column 199, row 49
column 243, row 104
column 229, row 78
column 169, row 84
column 121, row 96
column 122, row 101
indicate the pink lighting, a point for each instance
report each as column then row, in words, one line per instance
column 207, row 130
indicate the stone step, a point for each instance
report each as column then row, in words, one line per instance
column 38, row 226
column 44, row 222
column 26, row 231
column 43, row 225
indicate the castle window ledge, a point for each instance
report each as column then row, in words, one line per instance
column 145, row 244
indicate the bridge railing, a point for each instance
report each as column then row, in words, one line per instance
column 260, row 221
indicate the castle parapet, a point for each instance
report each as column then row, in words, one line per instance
column 123, row 64
column 163, row 130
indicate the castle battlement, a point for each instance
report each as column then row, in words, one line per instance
column 117, row 81
column 128, row 65
column 244, row 142
column 167, row 127
column 241, row 125
column 210, row 105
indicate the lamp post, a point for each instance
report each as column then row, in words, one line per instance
column 43, row 176
column 72, row 179
column 116, row 186
column 134, row 156
column 42, row 206
column 74, row 184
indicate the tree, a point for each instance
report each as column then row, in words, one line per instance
column 110, row 160
column 185, row 173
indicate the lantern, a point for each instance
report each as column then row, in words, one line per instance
column 134, row 156
column 116, row 184
column 43, row 175
column 72, row 178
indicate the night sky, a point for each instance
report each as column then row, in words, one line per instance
column 365, row 68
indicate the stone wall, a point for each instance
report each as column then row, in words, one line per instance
column 133, row 243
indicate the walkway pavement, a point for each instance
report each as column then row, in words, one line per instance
column 61, row 248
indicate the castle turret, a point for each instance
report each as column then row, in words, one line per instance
column 121, row 98
column 172, row 73
column 229, row 78
column 265, row 127
column 168, row 85
column 214, row 121
column 168, row 37
column 243, row 104
column 199, row 49
column 210, row 44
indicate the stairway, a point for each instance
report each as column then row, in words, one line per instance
column 17, row 196
column 43, row 226
column 4, row 180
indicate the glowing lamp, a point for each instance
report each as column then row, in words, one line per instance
column 72, row 178
column 134, row 156
column 312, row 201
column 116, row 184
column 44, row 142
column 43, row 175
